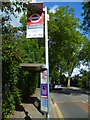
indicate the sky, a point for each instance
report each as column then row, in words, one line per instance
column 52, row 5
column 75, row 5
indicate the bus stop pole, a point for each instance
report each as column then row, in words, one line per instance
column 46, row 55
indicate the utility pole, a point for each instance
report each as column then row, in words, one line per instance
column 46, row 53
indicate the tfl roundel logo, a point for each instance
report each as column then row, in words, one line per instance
column 35, row 18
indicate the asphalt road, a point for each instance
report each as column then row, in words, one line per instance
column 71, row 103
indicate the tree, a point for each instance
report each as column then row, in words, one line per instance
column 65, row 39
column 10, row 71
column 86, row 15
column 84, row 52
column 85, row 76
column 17, row 49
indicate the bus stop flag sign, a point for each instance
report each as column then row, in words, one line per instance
column 35, row 20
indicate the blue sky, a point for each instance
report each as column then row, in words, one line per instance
column 75, row 5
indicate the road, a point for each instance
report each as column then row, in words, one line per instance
column 71, row 103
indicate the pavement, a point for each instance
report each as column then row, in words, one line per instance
column 31, row 109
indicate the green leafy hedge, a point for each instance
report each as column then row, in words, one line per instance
column 15, row 50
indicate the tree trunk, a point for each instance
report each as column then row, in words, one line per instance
column 69, row 75
column 60, row 75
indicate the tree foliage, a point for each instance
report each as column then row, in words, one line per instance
column 86, row 15
column 65, row 39
column 84, row 53
column 10, row 65
column 17, row 49
column 85, row 82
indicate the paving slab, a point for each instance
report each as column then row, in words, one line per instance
column 32, row 109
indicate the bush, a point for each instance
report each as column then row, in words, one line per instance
column 8, row 104
column 28, row 83
column 15, row 51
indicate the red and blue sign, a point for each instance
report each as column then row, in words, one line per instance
column 35, row 20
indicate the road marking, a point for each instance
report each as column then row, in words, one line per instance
column 58, row 111
column 72, row 101
column 82, row 105
column 69, row 101
column 83, row 101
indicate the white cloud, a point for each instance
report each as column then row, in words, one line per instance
column 76, row 71
column 53, row 9
column 15, row 21
column 84, row 67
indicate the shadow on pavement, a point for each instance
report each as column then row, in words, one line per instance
column 69, row 91
column 35, row 101
column 27, row 117
column 21, row 108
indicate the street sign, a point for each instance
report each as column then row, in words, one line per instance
column 44, row 104
column 44, row 91
column 44, row 77
column 35, row 20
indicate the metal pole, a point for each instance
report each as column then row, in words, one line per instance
column 46, row 38
column 46, row 55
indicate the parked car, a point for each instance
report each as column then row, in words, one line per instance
column 57, row 86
